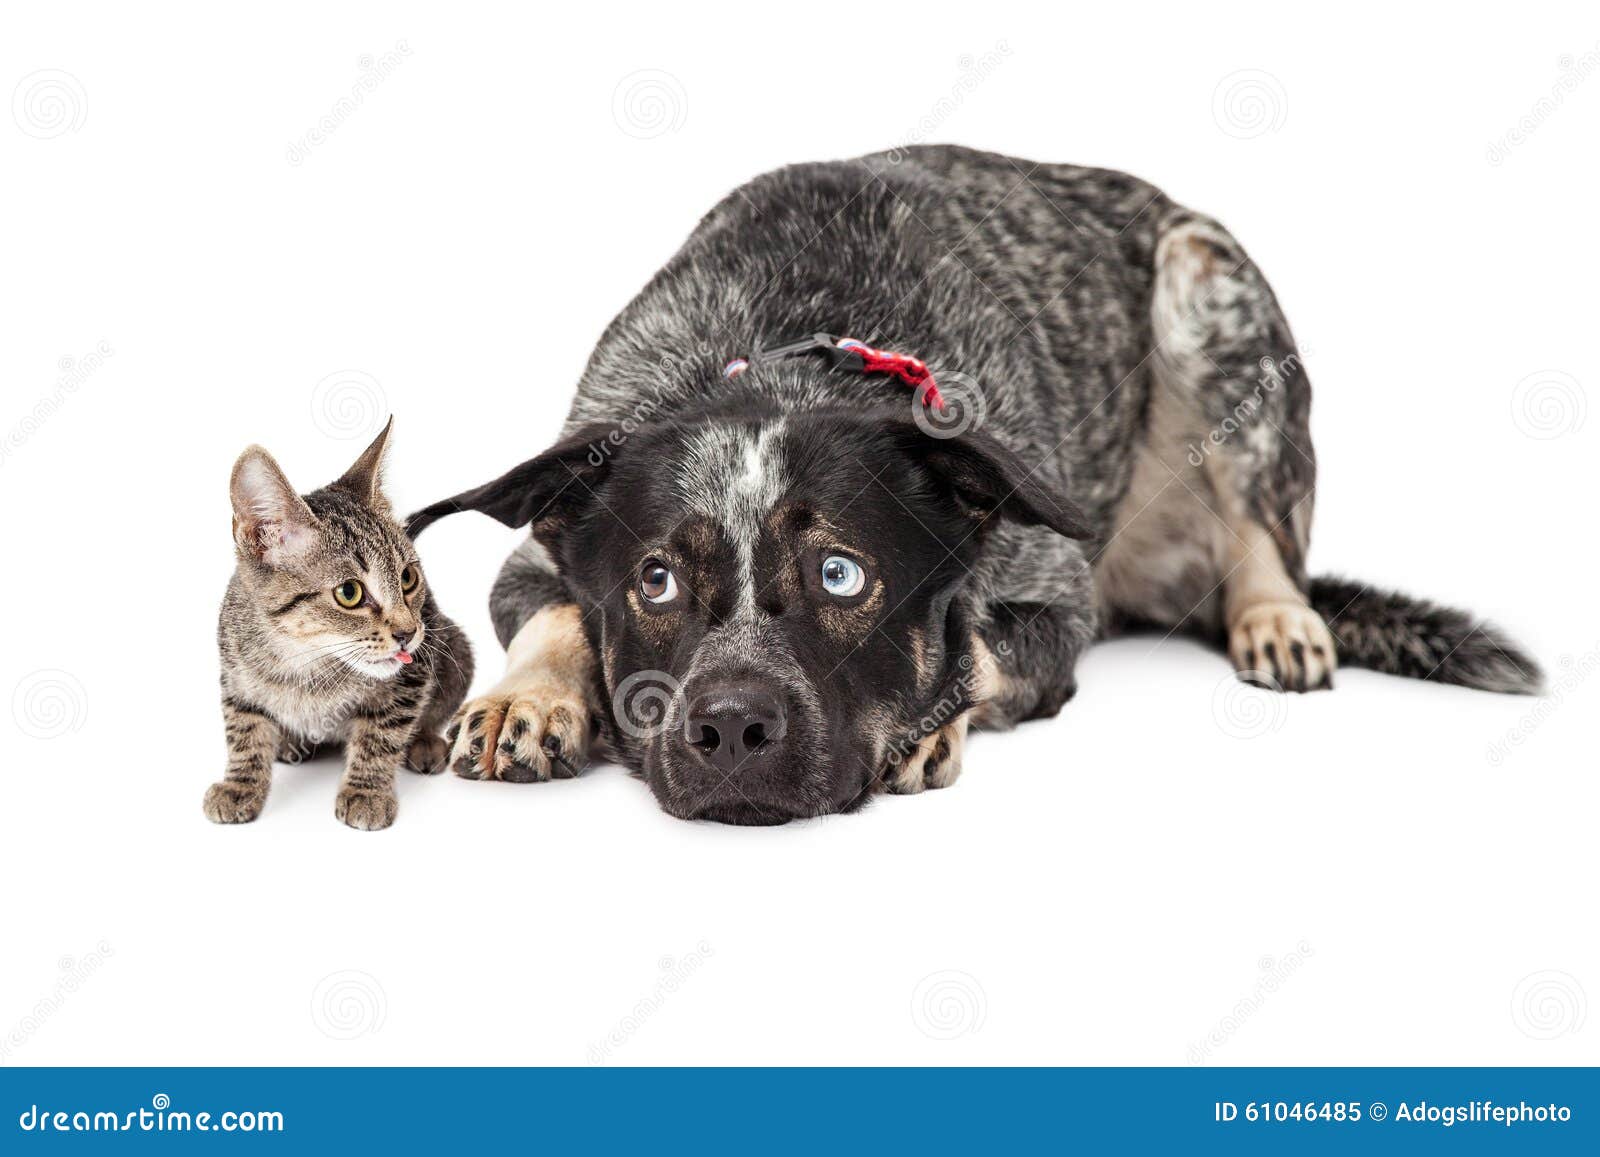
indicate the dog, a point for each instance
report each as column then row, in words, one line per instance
column 875, row 457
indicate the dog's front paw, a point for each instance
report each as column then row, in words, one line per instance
column 426, row 754
column 527, row 735
column 233, row 803
column 366, row 810
column 1283, row 646
column 934, row 761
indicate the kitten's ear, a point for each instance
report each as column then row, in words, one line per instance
column 365, row 478
column 271, row 523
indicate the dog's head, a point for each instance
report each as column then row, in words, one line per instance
column 775, row 600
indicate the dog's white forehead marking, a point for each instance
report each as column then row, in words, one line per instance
column 734, row 476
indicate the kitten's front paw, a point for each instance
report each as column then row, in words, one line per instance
column 233, row 803
column 427, row 754
column 369, row 811
column 528, row 735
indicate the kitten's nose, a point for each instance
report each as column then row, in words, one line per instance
column 401, row 638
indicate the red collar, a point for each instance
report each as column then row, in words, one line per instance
column 845, row 353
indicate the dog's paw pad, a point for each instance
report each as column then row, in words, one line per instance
column 1284, row 647
column 529, row 736
column 934, row 761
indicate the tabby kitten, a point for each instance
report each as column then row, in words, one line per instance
column 329, row 635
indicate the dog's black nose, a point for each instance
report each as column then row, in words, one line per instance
column 732, row 724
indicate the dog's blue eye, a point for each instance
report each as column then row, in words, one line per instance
column 842, row 577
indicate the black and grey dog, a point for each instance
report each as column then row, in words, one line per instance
column 775, row 575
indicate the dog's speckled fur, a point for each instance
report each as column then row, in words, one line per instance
column 1143, row 456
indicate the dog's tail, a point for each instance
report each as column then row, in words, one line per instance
column 1399, row 635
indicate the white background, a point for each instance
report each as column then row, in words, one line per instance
column 1172, row 870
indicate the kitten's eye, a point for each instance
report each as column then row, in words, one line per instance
column 656, row 582
column 348, row 594
column 410, row 576
column 842, row 577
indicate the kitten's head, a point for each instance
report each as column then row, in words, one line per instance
column 332, row 574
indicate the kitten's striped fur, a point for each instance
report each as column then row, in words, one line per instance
column 300, row 671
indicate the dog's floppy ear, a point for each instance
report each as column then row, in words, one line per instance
column 543, row 493
column 988, row 479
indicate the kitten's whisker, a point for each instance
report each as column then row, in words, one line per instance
column 332, row 659
column 322, row 663
column 328, row 678
column 336, row 645
column 341, row 643
column 335, row 671
column 432, row 648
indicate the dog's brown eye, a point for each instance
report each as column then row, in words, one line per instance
column 656, row 582
column 409, row 578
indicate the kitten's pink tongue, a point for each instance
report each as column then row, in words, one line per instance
column 403, row 656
